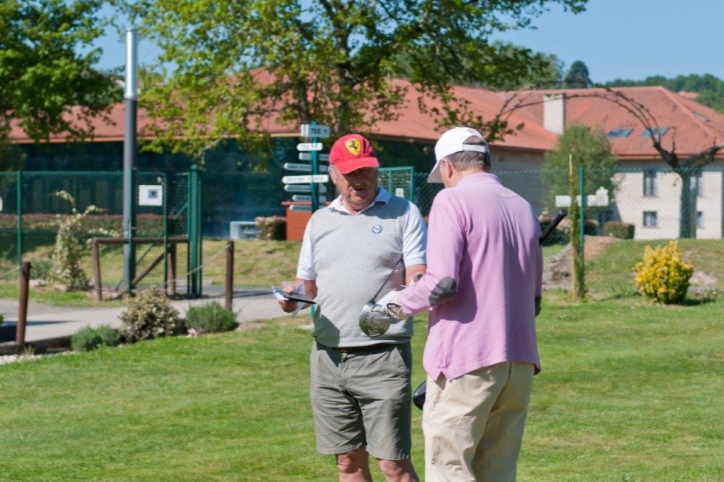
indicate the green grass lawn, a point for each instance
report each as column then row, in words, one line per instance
column 630, row 391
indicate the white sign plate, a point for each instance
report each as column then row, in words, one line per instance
column 150, row 195
column 598, row 199
column 309, row 130
column 306, row 197
column 1, row 204
column 291, row 166
column 310, row 146
column 305, row 179
column 296, row 207
column 307, row 156
column 304, row 188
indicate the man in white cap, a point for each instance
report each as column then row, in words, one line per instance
column 483, row 290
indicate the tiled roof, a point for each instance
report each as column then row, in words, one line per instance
column 693, row 126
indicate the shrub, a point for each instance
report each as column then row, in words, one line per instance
column 210, row 318
column 40, row 269
column 274, row 228
column 590, row 227
column 70, row 245
column 662, row 274
column 87, row 339
column 2, row 318
column 149, row 315
column 619, row 230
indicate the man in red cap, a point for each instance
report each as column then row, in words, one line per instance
column 365, row 241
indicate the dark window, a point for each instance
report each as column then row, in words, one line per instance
column 650, row 183
column 650, row 219
column 655, row 132
column 619, row 132
column 699, row 219
column 697, row 184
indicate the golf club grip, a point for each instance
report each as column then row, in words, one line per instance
column 552, row 226
column 418, row 397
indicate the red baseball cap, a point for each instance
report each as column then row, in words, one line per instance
column 352, row 152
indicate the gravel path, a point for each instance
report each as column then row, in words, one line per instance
column 10, row 308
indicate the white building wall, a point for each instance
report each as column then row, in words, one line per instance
column 711, row 205
column 631, row 204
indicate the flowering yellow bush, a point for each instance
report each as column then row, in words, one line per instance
column 662, row 274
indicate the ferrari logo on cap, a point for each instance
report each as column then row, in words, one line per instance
column 353, row 146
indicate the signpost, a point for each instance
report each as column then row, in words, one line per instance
column 310, row 146
column 292, row 166
column 306, row 198
column 307, row 156
column 303, row 188
column 315, row 132
column 305, row 179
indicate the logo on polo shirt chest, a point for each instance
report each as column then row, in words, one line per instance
column 377, row 229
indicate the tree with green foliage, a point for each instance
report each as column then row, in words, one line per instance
column 525, row 69
column 579, row 147
column 589, row 149
column 710, row 89
column 46, row 85
column 577, row 76
column 230, row 66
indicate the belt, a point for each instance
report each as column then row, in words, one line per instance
column 360, row 349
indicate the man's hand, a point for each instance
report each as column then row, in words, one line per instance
column 288, row 306
column 390, row 305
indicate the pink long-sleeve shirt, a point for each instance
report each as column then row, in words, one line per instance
column 485, row 237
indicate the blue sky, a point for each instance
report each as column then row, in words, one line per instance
column 626, row 39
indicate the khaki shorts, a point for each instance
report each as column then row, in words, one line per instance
column 362, row 399
column 474, row 424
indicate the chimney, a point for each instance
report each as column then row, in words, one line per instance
column 554, row 112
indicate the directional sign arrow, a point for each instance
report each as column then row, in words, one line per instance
column 305, row 197
column 307, row 156
column 296, row 207
column 310, row 146
column 305, row 179
column 309, row 130
column 291, row 166
column 304, row 188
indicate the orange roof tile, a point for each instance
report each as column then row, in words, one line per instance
column 693, row 127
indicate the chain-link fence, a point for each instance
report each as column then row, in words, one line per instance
column 641, row 203
column 30, row 203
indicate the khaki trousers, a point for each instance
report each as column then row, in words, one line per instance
column 474, row 424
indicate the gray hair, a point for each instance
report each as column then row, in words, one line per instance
column 471, row 160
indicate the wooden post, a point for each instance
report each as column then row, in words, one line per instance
column 97, row 270
column 23, row 308
column 229, row 273
column 150, row 267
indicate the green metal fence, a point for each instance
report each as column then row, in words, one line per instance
column 398, row 180
column 652, row 203
column 167, row 204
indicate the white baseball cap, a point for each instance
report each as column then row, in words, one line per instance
column 451, row 142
